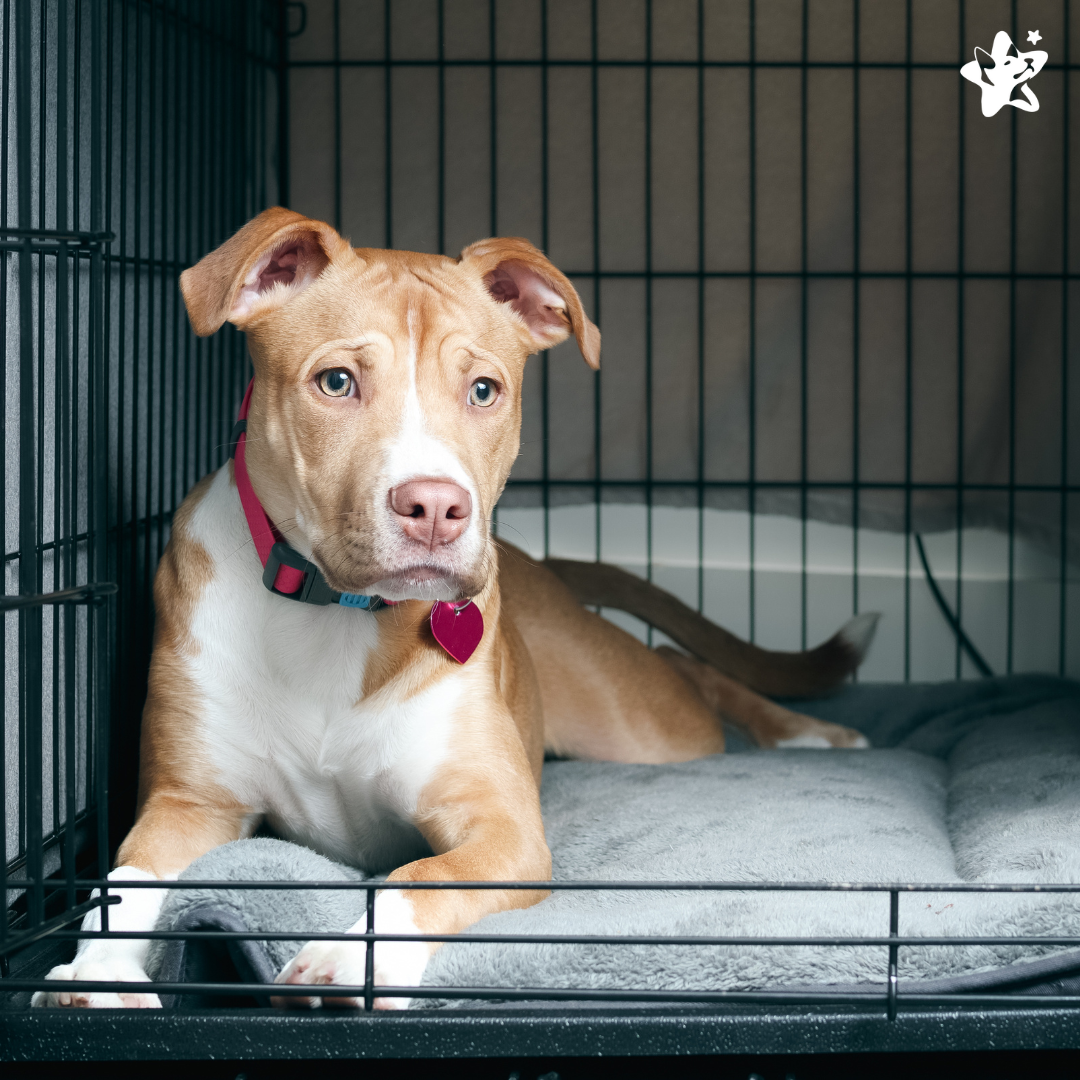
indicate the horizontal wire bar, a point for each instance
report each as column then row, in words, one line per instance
column 557, row 886
column 483, row 993
column 798, row 275
column 800, row 485
column 18, row 864
column 548, row 939
column 62, row 235
column 144, row 262
column 798, row 65
column 177, row 265
column 80, row 594
column 19, row 941
column 159, row 519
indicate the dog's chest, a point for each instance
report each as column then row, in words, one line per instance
column 284, row 725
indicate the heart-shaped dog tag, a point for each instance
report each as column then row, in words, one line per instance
column 458, row 628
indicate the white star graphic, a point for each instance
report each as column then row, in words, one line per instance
column 1034, row 37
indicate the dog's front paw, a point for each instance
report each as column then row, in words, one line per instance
column 344, row 963
column 101, row 970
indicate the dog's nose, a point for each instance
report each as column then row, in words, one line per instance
column 431, row 511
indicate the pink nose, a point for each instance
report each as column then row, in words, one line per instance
column 432, row 511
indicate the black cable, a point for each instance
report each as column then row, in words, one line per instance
column 950, row 618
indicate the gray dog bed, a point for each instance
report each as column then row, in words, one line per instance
column 967, row 782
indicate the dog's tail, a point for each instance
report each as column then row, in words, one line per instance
column 777, row 674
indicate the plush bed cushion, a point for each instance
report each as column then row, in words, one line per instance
column 966, row 782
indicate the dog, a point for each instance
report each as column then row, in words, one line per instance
column 1002, row 75
column 343, row 650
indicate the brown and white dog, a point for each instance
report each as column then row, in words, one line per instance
column 383, row 423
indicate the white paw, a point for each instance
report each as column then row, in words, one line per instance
column 825, row 737
column 344, row 963
column 101, row 970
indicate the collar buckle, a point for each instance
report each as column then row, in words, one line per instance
column 313, row 591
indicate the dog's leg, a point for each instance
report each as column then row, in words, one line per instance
column 169, row 833
column 484, row 821
column 768, row 724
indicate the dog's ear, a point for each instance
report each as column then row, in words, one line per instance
column 984, row 58
column 270, row 260
column 516, row 273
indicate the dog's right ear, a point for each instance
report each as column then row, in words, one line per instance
column 273, row 258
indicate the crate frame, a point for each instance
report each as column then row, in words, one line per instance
column 85, row 240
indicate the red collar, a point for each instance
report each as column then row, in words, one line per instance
column 458, row 628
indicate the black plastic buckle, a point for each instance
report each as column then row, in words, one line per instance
column 238, row 429
column 313, row 591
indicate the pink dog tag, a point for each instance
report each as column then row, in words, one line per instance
column 457, row 628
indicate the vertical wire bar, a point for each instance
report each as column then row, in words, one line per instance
column 1012, row 380
column 648, row 305
column 961, row 377
column 220, row 345
column 48, row 51
column 30, row 619
column 226, row 153
column 961, row 336
column 192, row 349
column 804, row 319
column 179, row 105
column 151, row 446
column 1064, row 467
column 67, row 449
column 493, row 163
column 283, row 97
column 908, row 331
column 493, row 120
column 894, row 927
column 123, row 276
column 108, row 444
column 99, row 471
column 388, row 140
column 74, row 331
column 167, row 192
column 442, row 126
column 752, row 358
column 701, row 303
column 856, row 308
column 62, row 455
column 545, row 181
column 5, row 144
column 204, row 233
column 595, row 103
column 44, row 48
column 369, row 959
column 139, row 431
column 337, row 112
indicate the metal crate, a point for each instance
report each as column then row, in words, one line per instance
column 733, row 449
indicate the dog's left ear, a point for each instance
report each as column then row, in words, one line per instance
column 516, row 273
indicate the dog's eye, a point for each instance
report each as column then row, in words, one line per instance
column 483, row 393
column 336, row 383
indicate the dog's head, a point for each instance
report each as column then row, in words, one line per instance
column 1001, row 74
column 386, row 410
